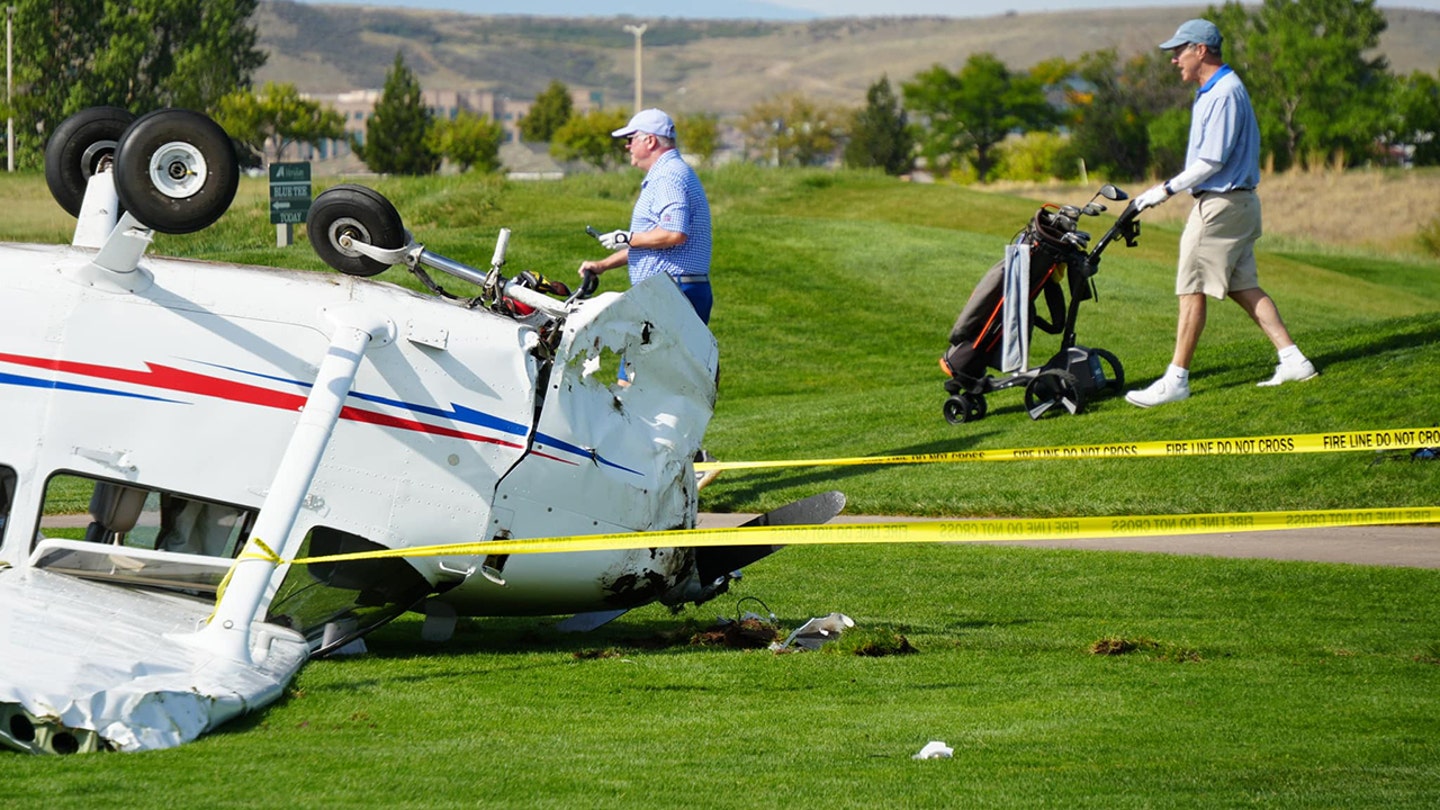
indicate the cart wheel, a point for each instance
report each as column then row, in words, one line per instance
column 360, row 213
column 964, row 408
column 1113, row 371
column 77, row 150
column 1050, row 388
column 176, row 170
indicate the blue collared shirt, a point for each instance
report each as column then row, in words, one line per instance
column 672, row 198
column 1223, row 130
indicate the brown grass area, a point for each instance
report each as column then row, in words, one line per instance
column 1379, row 210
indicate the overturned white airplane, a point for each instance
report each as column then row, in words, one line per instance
column 206, row 415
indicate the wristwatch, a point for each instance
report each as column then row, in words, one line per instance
column 1169, row 192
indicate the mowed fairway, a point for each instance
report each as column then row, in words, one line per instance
column 1238, row 682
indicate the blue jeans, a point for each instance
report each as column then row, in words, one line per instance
column 701, row 297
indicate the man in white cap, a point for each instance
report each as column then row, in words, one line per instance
column 1217, row 249
column 670, row 226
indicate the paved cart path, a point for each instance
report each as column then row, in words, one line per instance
column 1411, row 546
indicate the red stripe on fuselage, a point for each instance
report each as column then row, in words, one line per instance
column 174, row 379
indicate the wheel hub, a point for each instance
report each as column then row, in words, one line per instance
column 344, row 232
column 178, row 170
column 96, row 157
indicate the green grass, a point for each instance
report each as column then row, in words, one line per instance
column 1249, row 682
column 1253, row 683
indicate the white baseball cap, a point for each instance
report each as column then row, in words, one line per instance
column 652, row 121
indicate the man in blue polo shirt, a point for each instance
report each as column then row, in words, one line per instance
column 1217, row 249
column 670, row 227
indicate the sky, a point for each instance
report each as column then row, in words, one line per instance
column 963, row 8
column 795, row 9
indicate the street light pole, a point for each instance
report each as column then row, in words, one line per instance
column 638, row 31
column 9, row 91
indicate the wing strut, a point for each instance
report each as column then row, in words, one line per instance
column 355, row 331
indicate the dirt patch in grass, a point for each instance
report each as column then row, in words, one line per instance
column 1112, row 645
column 749, row 634
column 872, row 643
column 594, row 655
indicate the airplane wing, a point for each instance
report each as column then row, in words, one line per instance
column 104, row 667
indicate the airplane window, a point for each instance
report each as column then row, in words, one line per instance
column 7, row 495
column 125, row 514
column 332, row 603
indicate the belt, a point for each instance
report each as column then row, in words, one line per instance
column 1231, row 191
column 692, row 279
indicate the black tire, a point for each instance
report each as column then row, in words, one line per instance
column 361, row 213
column 176, row 170
column 1114, row 372
column 963, row 408
column 77, row 149
column 1053, row 388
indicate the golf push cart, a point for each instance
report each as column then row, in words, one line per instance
column 994, row 328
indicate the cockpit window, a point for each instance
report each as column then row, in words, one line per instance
column 124, row 532
column 331, row 603
column 7, row 497
column 125, row 514
column 131, row 534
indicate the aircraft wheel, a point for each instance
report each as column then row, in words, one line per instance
column 1053, row 388
column 362, row 214
column 964, row 408
column 176, row 170
column 1114, row 372
column 79, row 147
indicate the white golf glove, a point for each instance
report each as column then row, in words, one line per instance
column 615, row 240
column 1152, row 197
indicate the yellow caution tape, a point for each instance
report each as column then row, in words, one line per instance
column 266, row 553
column 938, row 531
column 1340, row 441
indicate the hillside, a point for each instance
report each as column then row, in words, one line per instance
column 721, row 66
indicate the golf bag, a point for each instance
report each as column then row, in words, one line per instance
column 1047, row 262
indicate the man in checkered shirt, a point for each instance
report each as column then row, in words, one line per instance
column 670, row 227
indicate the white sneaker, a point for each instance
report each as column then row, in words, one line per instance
column 1160, row 392
column 1291, row 372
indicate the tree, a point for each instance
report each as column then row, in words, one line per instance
column 552, row 108
column 969, row 113
column 880, row 135
column 1418, row 111
column 1112, row 108
column 587, row 137
column 277, row 116
column 791, row 130
column 469, row 141
column 140, row 55
column 699, row 135
column 397, row 136
column 1036, row 157
column 1304, row 62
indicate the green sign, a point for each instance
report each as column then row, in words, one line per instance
column 289, row 192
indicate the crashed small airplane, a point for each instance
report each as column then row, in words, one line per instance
column 213, row 419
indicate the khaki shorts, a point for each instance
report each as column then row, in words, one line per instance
column 1217, row 249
